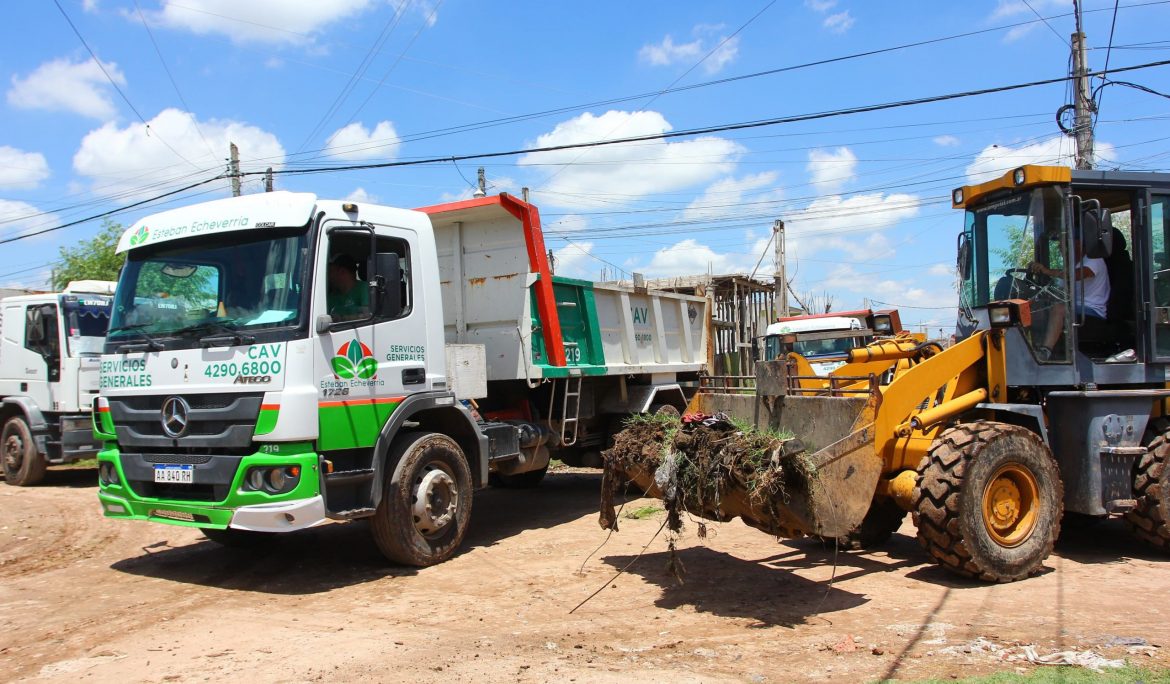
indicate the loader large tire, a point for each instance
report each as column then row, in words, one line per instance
column 988, row 501
column 880, row 523
column 1150, row 519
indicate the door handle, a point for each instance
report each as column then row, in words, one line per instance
column 414, row 376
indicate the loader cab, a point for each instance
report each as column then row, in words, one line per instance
column 1083, row 249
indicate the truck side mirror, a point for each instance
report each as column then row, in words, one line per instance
column 1096, row 230
column 388, row 292
column 323, row 323
column 963, row 264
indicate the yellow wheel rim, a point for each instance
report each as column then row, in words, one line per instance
column 1010, row 504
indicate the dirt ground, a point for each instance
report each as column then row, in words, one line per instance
column 85, row 598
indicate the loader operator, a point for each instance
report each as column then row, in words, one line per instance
column 348, row 298
column 1092, row 278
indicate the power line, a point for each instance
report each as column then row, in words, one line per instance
column 1105, row 71
column 1041, row 18
column 174, row 83
column 602, row 143
column 113, row 82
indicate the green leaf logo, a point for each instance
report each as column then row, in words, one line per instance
column 354, row 360
column 140, row 236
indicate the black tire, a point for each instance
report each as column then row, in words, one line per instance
column 880, row 523
column 966, row 479
column 23, row 465
column 665, row 410
column 528, row 480
column 418, row 461
column 238, row 539
column 1150, row 519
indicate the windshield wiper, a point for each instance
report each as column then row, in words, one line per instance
column 227, row 334
column 151, row 343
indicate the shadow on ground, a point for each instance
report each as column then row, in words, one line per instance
column 338, row 555
column 73, row 477
column 722, row 584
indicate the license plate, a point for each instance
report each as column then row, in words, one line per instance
column 184, row 474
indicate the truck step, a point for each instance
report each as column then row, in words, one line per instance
column 341, row 477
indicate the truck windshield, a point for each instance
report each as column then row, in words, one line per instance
column 196, row 288
column 814, row 348
column 86, row 321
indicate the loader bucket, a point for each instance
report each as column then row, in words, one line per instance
column 829, row 470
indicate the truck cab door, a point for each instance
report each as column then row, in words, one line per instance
column 41, row 355
column 371, row 354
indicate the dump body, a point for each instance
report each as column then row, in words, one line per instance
column 495, row 278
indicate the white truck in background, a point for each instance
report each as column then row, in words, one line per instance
column 50, row 346
column 277, row 361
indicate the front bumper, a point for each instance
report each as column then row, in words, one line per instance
column 236, row 508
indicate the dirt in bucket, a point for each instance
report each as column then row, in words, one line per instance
column 712, row 467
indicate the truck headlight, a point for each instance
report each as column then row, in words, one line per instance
column 1008, row 313
column 272, row 479
column 883, row 324
column 107, row 473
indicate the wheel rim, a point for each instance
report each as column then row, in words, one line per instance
column 1010, row 504
column 436, row 500
column 13, row 452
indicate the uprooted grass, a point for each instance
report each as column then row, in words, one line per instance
column 714, row 471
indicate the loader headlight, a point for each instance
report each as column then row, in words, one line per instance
column 1009, row 313
column 882, row 324
column 957, row 197
column 1018, row 176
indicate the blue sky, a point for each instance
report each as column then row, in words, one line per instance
column 864, row 197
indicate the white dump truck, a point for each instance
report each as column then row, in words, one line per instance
column 49, row 377
column 276, row 361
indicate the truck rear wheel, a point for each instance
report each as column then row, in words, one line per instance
column 988, row 501
column 880, row 523
column 1150, row 519
column 23, row 464
column 426, row 503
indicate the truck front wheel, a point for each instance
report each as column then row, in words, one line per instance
column 23, row 464
column 426, row 502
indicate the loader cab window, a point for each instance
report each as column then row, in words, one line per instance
column 1160, row 272
column 1010, row 239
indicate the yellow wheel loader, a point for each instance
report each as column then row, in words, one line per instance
column 1051, row 402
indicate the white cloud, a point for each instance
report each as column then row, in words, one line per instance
column 846, row 280
column 942, row 270
column 64, row 85
column 849, row 224
column 21, row 170
column 17, row 218
column 839, row 22
column 724, row 197
column 1020, row 11
column 627, row 170
column 89, row 5
column 575, row 260
column 995, row 160
column 360, row 195
column 691, row 257
column 821, row 6
column 355, row 141
column 263, row 21
column 946, row 141
column 668, row 52
column 116, row 159
column 830, row 169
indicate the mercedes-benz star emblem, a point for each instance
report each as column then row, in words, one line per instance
column 174, row 416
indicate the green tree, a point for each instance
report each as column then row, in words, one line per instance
column 92, row 259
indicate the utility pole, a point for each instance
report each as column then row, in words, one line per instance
column 781, row 267
column 234, row 168
column 1083, row 97
column 552, row 261
column 268, row 180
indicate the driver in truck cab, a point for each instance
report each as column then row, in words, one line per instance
column 348, row 297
